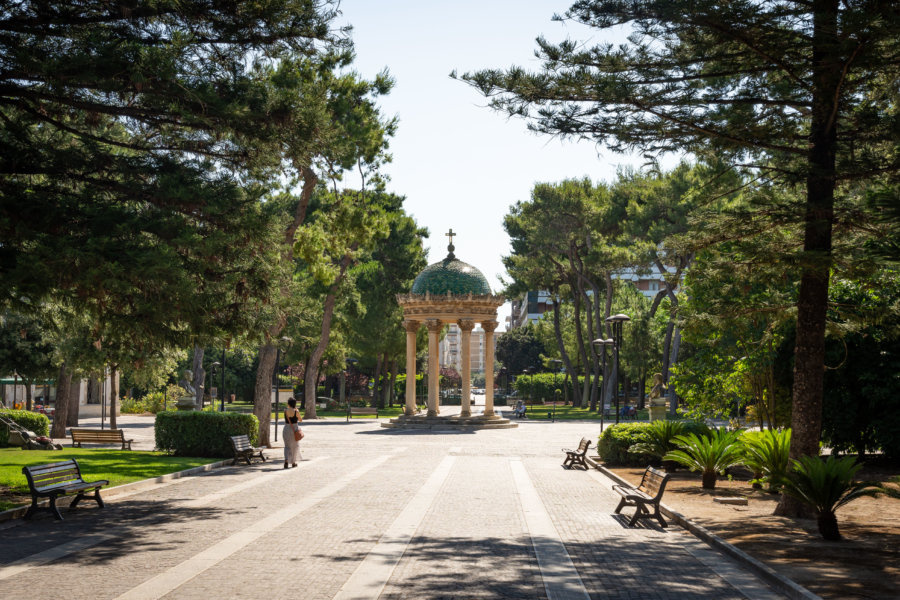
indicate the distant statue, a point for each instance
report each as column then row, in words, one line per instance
column 659, row 388
column 189, row 400
column 185, row 382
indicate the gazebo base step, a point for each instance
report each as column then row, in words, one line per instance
column 447, row 423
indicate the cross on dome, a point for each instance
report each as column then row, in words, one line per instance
column 451, row 248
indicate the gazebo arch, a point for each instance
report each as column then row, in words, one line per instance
column 450, row 291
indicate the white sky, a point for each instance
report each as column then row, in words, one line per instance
column 458, row 163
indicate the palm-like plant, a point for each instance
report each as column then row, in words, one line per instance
column 710, row 454
column 658, row 438
column 766, row 453
column 825, row 486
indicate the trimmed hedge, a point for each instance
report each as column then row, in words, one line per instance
column 615, row 441
column 195, row 433
column 31, row 421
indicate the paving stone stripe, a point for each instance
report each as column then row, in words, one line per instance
column 169, row 580
column 561, row 578
column 51, row 554
column 373, row 573
column 243, row 486
column 67, row 548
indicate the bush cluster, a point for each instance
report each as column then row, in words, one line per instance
column 153, row 402
column 194, row 433
column 616, row 441
column 541, row 385
column 31, row 421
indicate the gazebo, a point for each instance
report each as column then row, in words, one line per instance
column 450, row 291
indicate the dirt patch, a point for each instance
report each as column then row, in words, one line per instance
column 865, row 564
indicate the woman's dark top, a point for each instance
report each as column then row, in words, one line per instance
column 292, row 420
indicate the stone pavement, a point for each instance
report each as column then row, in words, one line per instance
column 372, row 513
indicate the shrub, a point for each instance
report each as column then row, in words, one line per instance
column 825, row 486
column 31, row 421
column 153, row 402
column 766, row 453
column 616, row 441
column 657, row 438
column 709, row 454
column 614, row 446
column 194, row 433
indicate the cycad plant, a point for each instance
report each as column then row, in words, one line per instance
column 766, row 453
column 658, row 438
column 825, row 486
column 710, row 455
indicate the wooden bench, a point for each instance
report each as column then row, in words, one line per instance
column 649, row 492
column 352, row 411
column 576, row 457
column 59, row 479
column 243, row 449
column 99, row 436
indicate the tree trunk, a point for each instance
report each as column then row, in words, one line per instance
column 262, row 391
column 393, row 390
column 63, row 385
column 708, row 480
column 28, row 394
column 199, row 381
column 828, row 526
column 673, row 358
column 812, row 301
column 74, row 403
column 376, row 383
column 113, row 395
column 557, row 329
column 579, row 338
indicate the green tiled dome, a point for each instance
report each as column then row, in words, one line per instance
column 450, row 275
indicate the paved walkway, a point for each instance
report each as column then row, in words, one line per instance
column 372, row 513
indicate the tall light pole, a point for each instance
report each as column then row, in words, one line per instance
column 556, row 362
column 617, row 321
column 603, row 343
column 526, row 372
column 212, row 381
column 222, row 403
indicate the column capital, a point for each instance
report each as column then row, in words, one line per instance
column 411, row 326
column 434, row 325
column 466, row 324
column 489, row 325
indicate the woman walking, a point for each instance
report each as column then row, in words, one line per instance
column 291, row 428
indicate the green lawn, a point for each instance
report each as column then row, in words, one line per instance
column 563, row 413
column 118, row 466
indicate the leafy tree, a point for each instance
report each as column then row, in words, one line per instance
column 137, row 143
column 862, row 411
column 795, row 91
column 389, row 269
column 26, row 348
column 519, row 349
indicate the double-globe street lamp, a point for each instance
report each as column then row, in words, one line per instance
column 617, row 321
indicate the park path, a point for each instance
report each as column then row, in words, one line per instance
column 373, row 513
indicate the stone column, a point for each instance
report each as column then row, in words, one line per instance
column 434, row 332
column 489, row 327
column 466, row 326
column 411, row 328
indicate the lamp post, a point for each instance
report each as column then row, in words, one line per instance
column 212, row 380
column 502, row 373
column 556, row 362
column 617, row 321
column 603, row 343
column 222, row 403
column 526, row 372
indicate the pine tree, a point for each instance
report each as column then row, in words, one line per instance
column 798, row 92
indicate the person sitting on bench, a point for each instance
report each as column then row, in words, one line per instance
column 520, row 409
